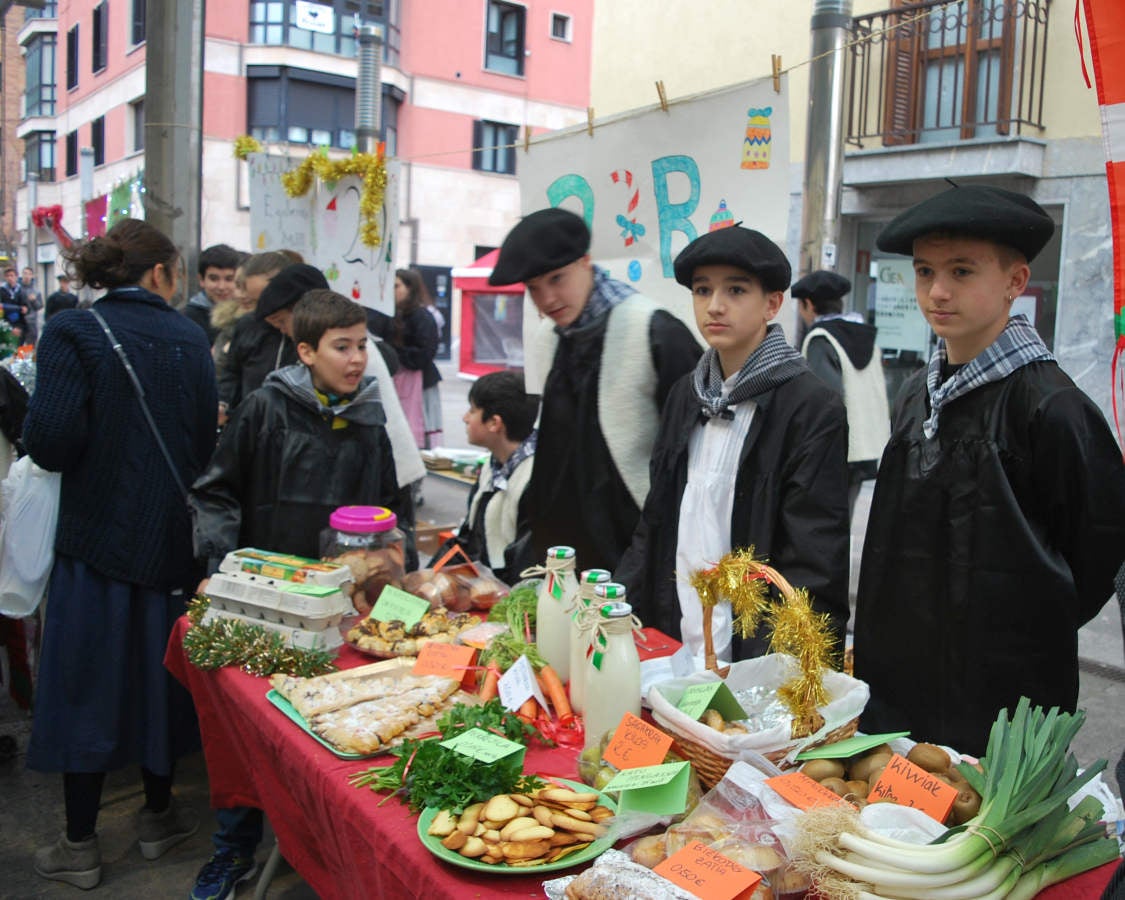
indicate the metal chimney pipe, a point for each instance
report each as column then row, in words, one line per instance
column 824, row 142
column 369, row 87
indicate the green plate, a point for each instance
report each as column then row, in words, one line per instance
column 287, row 708
column 596, row 849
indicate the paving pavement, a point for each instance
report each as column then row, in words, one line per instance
column 31, row 811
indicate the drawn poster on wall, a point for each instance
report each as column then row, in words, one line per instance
column 324, row 227
column 365, row 274
column 649, row 181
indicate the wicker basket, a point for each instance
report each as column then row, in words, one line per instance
column 710, row 767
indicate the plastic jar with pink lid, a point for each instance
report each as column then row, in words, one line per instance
column 367, row 539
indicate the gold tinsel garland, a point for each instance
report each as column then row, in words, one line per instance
column 796, row 628
column 252, row 648
column 370, row 167
column 244, row 145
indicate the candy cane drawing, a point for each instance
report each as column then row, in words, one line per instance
column 631, row 231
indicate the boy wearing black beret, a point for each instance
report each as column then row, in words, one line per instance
column 614, row 356
column 752, row 452
column 996, row 524
column 840, row 349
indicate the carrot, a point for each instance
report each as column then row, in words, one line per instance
column 552, row 686
column 491, row 685
column 529, row 710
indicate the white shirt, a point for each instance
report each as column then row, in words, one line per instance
column 705, row 514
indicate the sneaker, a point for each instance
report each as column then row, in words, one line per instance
column 76, row 862
column 159, row 832
column 222, row 874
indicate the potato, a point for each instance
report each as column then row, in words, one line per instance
column 929, row 757
column 444, row 823
column 835, row 785
column 819, row 769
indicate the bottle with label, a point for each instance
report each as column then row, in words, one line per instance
column 581, row 625
column 552, row 616
column 613, row 671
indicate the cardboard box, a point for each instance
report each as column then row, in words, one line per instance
column 429, row 537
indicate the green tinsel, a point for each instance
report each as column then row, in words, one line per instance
column 252, row 648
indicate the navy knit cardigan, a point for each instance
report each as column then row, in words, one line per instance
column 120, row 510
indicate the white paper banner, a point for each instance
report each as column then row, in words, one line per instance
column 315, row 17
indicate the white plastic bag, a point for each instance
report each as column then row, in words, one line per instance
column 29, row 502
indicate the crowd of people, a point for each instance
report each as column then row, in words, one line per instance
column 995, row 527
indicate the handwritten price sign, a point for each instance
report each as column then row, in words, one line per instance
column 802, row 791
column 706, row 873
column 906, row 784
column 636, row 743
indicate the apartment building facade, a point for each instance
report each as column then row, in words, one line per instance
column 461, row 81
column 968, row 91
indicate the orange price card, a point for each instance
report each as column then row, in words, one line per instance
column 707, row 874
column 906, row 784
column 446, row 660
column 802, row 791
column 636, row 743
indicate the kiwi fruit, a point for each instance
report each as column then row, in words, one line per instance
column 929, row 757
column 857, row 790
column 819, row 769
column 862, row 768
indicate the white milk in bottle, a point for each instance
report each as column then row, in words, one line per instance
column 613, row 669
column 552, row 612
column 581, row 626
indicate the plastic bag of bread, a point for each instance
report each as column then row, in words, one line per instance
column 456, row 587
column 614, row 877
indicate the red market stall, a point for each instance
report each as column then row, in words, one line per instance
column 491, row 320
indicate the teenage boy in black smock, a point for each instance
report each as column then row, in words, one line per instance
column 752, row 452
column 615, row 355
column 997, row 521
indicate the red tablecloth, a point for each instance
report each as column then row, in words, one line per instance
column 341, row 841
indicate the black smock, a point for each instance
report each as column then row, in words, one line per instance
column 790, row 503
column 577, row 496
column 987, row 548
column 256, row 349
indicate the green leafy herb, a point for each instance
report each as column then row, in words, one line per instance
column 518, row 607
column 505, row 649
column 490, row 716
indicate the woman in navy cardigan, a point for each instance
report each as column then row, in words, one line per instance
column 123, row 559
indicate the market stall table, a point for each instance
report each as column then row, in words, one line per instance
column 340, row 840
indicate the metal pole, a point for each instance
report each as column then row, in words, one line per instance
column 85, row 182
column 174, row 123
column 824, row 144
column 369, row 87
column 32, row 231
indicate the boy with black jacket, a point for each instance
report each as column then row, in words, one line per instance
column 309, row 440
column 751, row 452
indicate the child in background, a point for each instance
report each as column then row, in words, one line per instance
column 497, row 528
column 997, row 521
column 217, row 266
column 751, row 452
column 310, row 440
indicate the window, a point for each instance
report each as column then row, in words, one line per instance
column 324, row 27
column 100, row 38
column 504, row 38
column 137, row 108
column 39, row 154
column 97, row 139
column 49, row 11
column 137, row 26
column 389, row 119
column 72, row 58
column 71, row 154
column 39, row 90
column 301, row 106
column 494, row 147
column 560, row 27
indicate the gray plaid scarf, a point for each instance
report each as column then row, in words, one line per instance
column 1018, row 345
column 606, row 294
column 772, row 364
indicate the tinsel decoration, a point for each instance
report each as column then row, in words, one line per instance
column 370, row 167
column 23, row 368
column 244, row 145
column 796, row 628
column 252, row 648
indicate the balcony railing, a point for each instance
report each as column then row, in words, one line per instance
column 935, row 71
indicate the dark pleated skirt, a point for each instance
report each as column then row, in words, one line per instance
column 104, row 699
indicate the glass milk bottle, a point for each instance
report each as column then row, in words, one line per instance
column 580, row 627
column 552, row 611
column 613, row 670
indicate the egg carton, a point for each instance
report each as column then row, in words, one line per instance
column 285, row 567
column 301, row 638
column 306, row 606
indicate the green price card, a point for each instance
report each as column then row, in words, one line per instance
column 851, row 746
column 661, row 790
column 395, row 605
column 483, row 746
column 698, row 698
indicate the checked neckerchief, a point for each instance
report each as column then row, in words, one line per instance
column 772, row 364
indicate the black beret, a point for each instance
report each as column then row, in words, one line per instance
column 994, row 214
column 542, row 242
column 736, row 246
column 288, row 286
column 820, row 286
